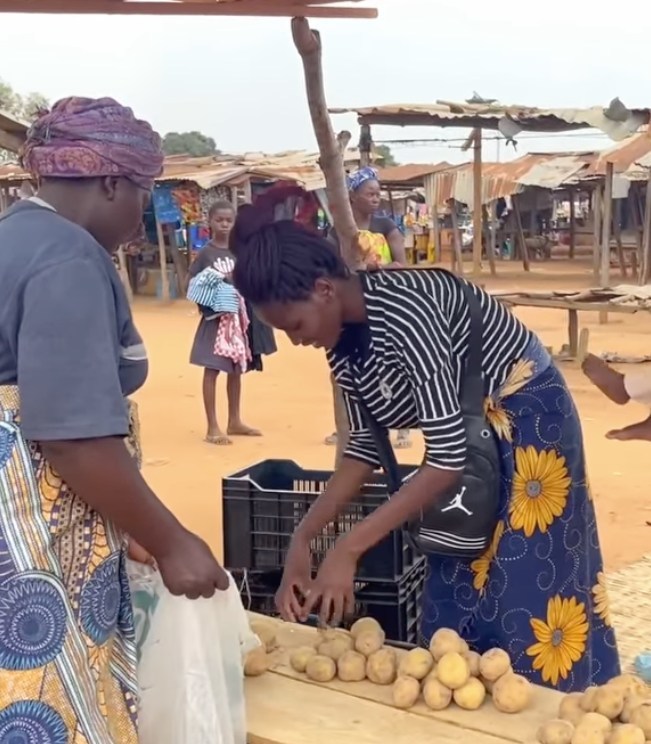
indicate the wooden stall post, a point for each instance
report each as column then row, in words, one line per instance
column 124, row 273
column 517, row 217
column 477, row 204
column 645, row 264
column 597, row 203
column 490, row 244
column 617, row 231
column 162, row 255
column 604, row 273
column 570, row 196
column 438, row 248
column 180, row 266
column 457, row 253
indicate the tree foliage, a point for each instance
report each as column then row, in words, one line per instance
column 384, row 154
column 21, row 106
column 194, row 144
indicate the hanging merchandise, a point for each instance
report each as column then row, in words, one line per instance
column 165, row 207
column 188, row 201
column 208, row 197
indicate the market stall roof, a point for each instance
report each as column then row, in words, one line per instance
column 630, row 158
column 12, row 131
column 409, row 175
column 499, row 180
column 299, row 166
column 615, row 120
column 287, row 8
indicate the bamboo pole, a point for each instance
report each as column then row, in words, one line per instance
column 162, row 256
column 331, row 157
column 477, row 207
column 604, row 271
column 645, row 265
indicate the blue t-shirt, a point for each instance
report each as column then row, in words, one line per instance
column 67, row 337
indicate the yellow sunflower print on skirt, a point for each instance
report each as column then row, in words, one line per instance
column 539, row 590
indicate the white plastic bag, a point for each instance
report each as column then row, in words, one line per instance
column 191, row 664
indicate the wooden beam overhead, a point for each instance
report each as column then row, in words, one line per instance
column 285, row 8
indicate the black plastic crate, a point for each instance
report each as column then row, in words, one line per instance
column 396, row 605
column 264, row 504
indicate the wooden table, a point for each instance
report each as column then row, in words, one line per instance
column 573, row 307
column 284, row 707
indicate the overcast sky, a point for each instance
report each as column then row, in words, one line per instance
column 240, row 80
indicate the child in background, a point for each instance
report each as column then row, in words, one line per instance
column 217, row 254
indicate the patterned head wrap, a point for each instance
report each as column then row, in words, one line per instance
column 357, row 179
column 90, row 138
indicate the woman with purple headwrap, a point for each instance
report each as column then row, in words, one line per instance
column 70, row 488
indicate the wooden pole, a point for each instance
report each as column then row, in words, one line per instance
column 617, row 231
column 597, row 201
column 331, row 156
column 456, row 238
column 438, row 248
column 124, row 273
column 570, row 196
column 604, row 271
column 490, row 245
column 517, row 218
column 477, row 204
column 162, row 256
column 645, row 265
column 177, row 260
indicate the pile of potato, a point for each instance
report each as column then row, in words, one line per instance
column 616, row 713
column 447, row 672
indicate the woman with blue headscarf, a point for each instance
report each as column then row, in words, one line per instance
column 381, row 244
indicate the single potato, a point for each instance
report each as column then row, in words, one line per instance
column 595, row 723
column 299, row 657
column 512, row 693
column 446, row 641
column 473, row 658
column 471, row 696
column 631, row 683
column 335, row 647
column 332, row 634
column 632, row 701
column 453, row 671
column 609, row 701
column 417, row 663
column 570, row 708
column 351, row 667
column 406, row 691
column 369, row 641
column 436, row 695
column 494, row 664
column 381, row 667
column 256, row 662
column 364, row 624
column 589, row 699
column 641, row 717
column 556, row 732
column 626, row 733
column 321, row 669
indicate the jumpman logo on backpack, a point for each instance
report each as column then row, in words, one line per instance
column 457, row 503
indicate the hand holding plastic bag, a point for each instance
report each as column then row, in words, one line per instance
column 191, row 664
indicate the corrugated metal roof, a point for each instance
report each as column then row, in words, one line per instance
column 630, row 158
column 491, row 116
column 287, row 8
column 542, row 170
column 410, row 173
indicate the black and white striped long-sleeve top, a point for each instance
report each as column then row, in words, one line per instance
column 407, row 361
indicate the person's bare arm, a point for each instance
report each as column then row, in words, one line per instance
column 396, row 243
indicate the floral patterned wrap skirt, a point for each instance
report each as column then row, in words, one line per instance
column 67, row 651
column 539, row 591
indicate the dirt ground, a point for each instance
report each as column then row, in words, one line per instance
column 290, row 402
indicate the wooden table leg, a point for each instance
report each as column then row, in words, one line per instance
column 573, row 332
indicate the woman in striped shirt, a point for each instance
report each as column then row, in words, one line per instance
column 400, row 339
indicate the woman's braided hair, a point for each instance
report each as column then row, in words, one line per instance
column 279, row 260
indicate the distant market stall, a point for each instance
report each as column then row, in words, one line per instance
column 615, row 120
column 12, row 136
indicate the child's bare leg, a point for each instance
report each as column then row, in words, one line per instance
column 214, row 434
column 607, row 379
column 236, row 427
